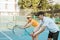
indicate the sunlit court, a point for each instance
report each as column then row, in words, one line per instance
column 16, row 25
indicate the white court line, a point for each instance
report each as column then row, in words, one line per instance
column 7, row 36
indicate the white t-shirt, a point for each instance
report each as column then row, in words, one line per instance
column 50, row 24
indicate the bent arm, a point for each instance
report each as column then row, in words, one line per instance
column 40, row 30
column 36, row 28
column 27, row 25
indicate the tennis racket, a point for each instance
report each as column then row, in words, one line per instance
column 19, row 30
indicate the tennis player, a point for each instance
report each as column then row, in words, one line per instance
column 34, row 23
column 46, row 22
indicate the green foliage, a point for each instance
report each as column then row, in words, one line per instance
column 38, row 4
column 57, row 6
column 43, row 4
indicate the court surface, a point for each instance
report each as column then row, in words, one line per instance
column 9, row 35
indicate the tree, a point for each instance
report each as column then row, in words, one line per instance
column 21, row 3
column 57, row 6
column 34, row 4
column 43, row 4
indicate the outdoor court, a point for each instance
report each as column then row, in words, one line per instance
column 10, row 12
column 9, row 35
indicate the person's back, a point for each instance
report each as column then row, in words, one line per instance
column 50, row 24
column 34, row 22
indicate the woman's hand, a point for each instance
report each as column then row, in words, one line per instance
column 32, row 34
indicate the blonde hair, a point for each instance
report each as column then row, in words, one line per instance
column 29, row 16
